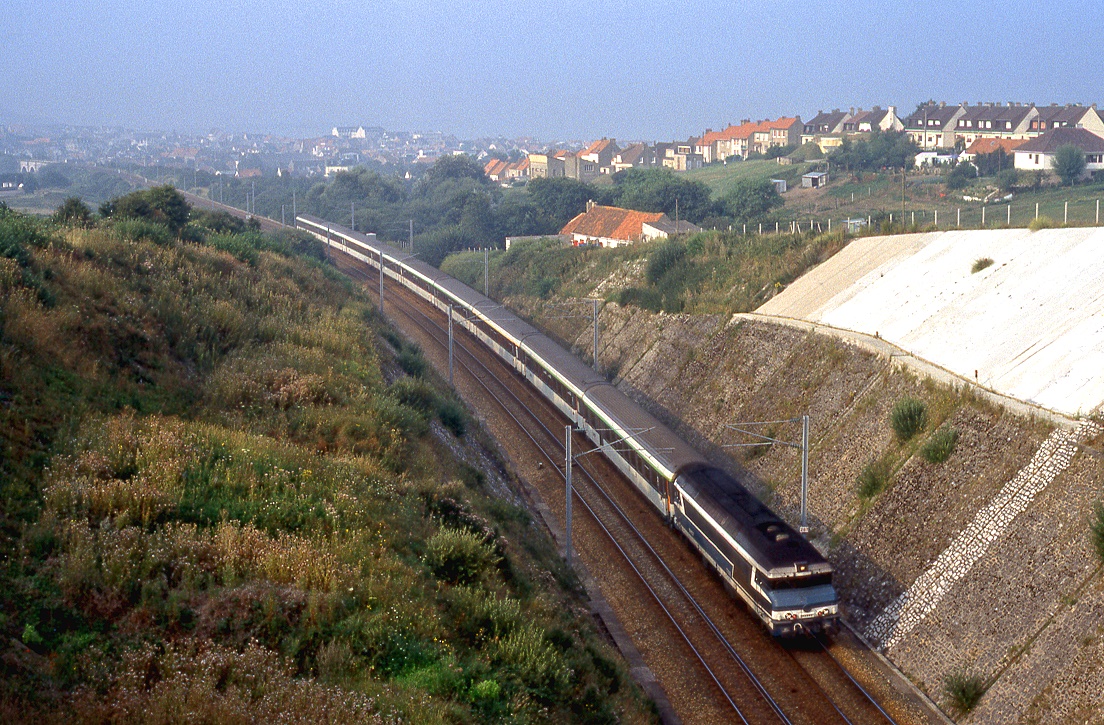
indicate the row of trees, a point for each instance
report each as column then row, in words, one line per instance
column 453, row 205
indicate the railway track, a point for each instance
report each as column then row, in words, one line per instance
column 797, row 684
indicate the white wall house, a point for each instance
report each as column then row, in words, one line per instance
column 1038, row 153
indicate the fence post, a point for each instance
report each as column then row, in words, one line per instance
column 1097, row 217
column 1008, row 219
column 1098, row 212
column 983, row 216
column 958, row 223
column 1065, row 214
column 913, row 219
column 1036, row 210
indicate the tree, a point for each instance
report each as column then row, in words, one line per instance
column 1069, row 163
column 751, row 200
column 161, row 204
column 1007, row 179
column 958, row 177
column 560, row 200
column 881, row 150
column 660, row 190
column 74, row 213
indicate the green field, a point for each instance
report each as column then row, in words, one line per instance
column 722, row 177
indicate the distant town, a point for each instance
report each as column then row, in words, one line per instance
column 943, row 132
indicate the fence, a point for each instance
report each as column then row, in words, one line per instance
column 999, row 215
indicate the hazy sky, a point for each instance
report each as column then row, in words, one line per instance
column 568, row 69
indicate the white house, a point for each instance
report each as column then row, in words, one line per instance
column 1038, row 153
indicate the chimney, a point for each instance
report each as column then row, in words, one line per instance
column 893, row 110
column 591, row 204
column 852, row 113
column 942, row 104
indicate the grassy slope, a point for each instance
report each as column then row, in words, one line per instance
column 215, row 502
column 722, row 177
column 709, row 273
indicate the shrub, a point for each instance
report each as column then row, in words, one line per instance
column 452, row 416
column 415, row 393
column 412, row 362
column 1097, row 528
column 459, row 556
column 981, row 263
column 664, row 259
column 908, row 417
column 873, row 478
column 964, row 690
column 1042, row 222
column 940, row 446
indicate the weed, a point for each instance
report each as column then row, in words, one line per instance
column 939, row 447
column 873, row 478
column 459, row 556
column 981, row 263
column 1042, row 222
column 964, row 690
column 452, row 416
column 1096, row 528
column 908, row 417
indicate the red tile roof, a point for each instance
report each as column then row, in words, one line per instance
column 611, row 222
column 990, row 145
column 597, row 147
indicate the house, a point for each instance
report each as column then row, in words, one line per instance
column 748, row 138
column 518, row 169
column 985, row 146
column 933, row 126
column 994, row 121
column 545, row 166
column 495, row 169
column 634, row 155
column 349, row 132
column 824, row 124
column 1068, row 116
column 611, row 226
column 1037, row 154
column 875, row 119
column 597, row 159
column 665, row 227
column 679, row 155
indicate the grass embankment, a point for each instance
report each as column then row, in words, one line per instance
column 711, row 272
column 219, row 506
column 721, row 178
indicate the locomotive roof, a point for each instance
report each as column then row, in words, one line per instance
column 768, row 539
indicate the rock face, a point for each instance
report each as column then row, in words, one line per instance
column 980, row 564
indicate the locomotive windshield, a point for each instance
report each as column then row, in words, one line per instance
column 803, row 598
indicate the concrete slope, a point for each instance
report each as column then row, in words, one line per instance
column 1031, row 325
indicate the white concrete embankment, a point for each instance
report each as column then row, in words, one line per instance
column 1031, row 325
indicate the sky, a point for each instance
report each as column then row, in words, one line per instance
column 573, row 69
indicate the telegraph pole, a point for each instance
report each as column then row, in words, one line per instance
column 411, row 235
column 450, row 343
column 381, row 279
column 766, row 440
column 486, row 276
column 294, row 211
column 352, row 215
column 567, row 510
column 594, row 313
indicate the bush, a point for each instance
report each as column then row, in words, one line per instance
column 664, row 259
column 981, row 263
column 909, row 416
column 873, row 478
column 452, row 416
column 964, row 690
column 1042, row 222
column 412, row 362
column 458, row 556
column 1097, row 528
column 940, row 446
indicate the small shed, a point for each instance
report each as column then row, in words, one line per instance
column 814, row 179
column 779, row 185
column 854, row 226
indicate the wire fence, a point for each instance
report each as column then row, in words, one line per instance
column 996, row 215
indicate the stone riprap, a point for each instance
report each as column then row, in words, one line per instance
column 1030, row 325
column 988, row 525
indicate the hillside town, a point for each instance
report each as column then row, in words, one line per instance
column 943, row 133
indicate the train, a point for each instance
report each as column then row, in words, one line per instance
column 779, row 575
